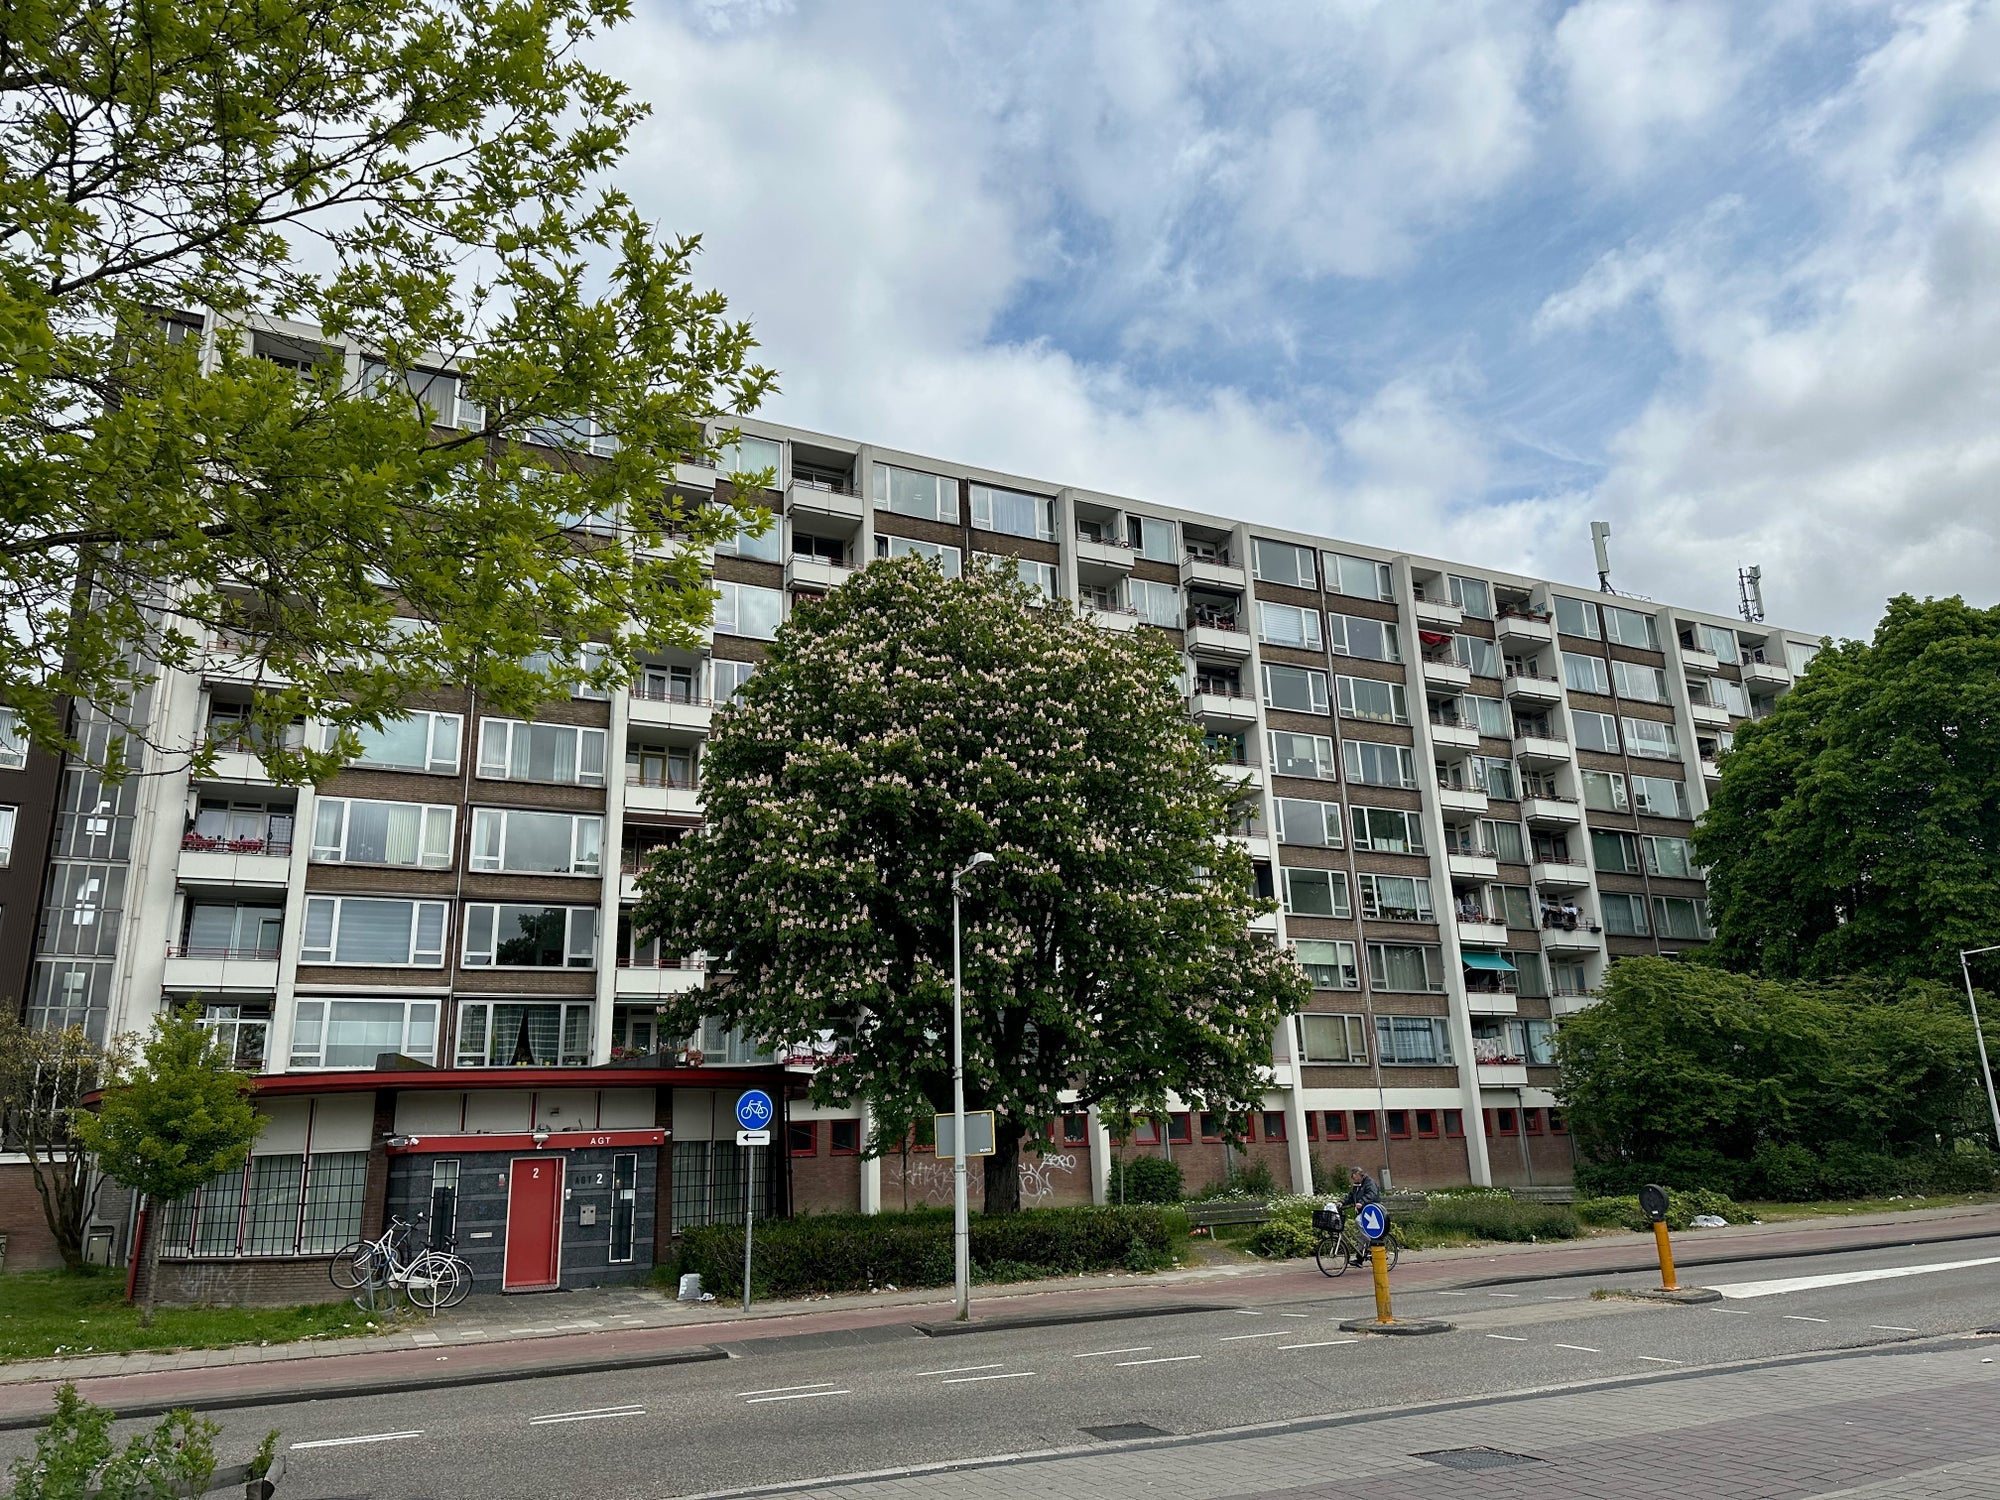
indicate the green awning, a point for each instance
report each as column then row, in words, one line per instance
column 1491, row 961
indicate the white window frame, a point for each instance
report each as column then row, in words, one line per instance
column 1311, row 954
column 1649, row 853
column 431, row 816
column 1412, row 841
column 1489, row 839
column 1614, row 782
column 419, row 958
column 1652, row 739
column 1607, row 725
column 1618, row 620
column 1310, row 637
column 1353, row 756
column 949, row 559
column 1640, row 683
column 580, row 862
column 1322, row 748
column 1596, row 675
column 1338, row 896
column 1381, row 581
column 1327, row 817
column 729, row 609
column 496, row 740
column 1642, row 796
column 1302, row 558
column 311, row 1016
column 9, row 816
column 1314, row 684
column 1037, row 575
column 1421, row 901
column 1339, row 641
column 982, row 512
column 944, row 505
column 13, row 743
column 1625, row 901
column 1387, row 1027
column 1348, row 1031
column 1350, row 699
column 1477, row 655
column 1155, row 603
column 1718, row 640
column 565, row 1057
column 575, row 958
column 436, row 763
column 1661, row 905
column 1585, row 614
column 1628, row 851
column 1463, row 590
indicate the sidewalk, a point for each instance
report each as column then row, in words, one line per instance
column 494, row 1337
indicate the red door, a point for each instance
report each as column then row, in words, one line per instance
column 534, row 1224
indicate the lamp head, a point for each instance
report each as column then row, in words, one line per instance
column 981, row 858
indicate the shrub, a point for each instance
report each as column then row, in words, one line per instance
column 1605, row 1212
column 1145, row 1179
column 1487, row 1217
column 1969, row 1169
column 859, row 1252
column 1288, row 1233
column 1785, row 1172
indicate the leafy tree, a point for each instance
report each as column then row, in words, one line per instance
column 897, row 728
column 1694, row 1074
column 74, row 1458
column 419, row 180
column 44, row 1076
column 179, row 1119
column 1857, row 828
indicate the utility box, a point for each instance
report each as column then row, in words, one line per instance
column 586, row 1215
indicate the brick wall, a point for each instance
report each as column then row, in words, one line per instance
column 276, row 1282
column 30, row 1246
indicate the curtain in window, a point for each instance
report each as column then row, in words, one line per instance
column 359, row 1031
column 374, row 932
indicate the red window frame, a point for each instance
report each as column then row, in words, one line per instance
column 810, row 1137
column 1364, row 1125
column 1275, row 1131
column 1504, row 1123
column 1398, row 1122
column 833, row 1133
column 1312, row 1124
column 1454, row 1124
column 1336, row 1124
column 1211, row 1127
column 1531, row 1120
column 1081, row 1137
column 1427, row 1124
column 1146, row 1131
column 1180, row 1129
column 1557, row 1124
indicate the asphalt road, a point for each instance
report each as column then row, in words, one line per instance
column 790, row 1409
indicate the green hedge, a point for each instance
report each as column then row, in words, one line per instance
column 1791, row 1173
column 1447, row 1219
column 1610, row 1212
column 862, row 1252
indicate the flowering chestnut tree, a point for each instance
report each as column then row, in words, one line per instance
column 898, row 727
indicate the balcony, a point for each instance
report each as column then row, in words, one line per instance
column 1568, row 930
column 1711, row 770
column 1567, row 1004
column 695, row 473
column 1441, row 613
column 209, row 971
column 1709, row 715
column 1241, row 774
column 1458, row 799
column 1524, row 628
column 220, row 860
column 1095, row 556
column 1481, row 931
column 1472, row 865
column 1213, row 573
column 819, row 497
column 657, row 979
column 1559, row 874
column 1223, row 708
column 1694, row 659
column 1551, row 812
column 666, row 707
column 1450, row 732
column 1540, row 750
column 1485, row 995
column 1218, row 636
column 1502, row 1073
column 655, row 794
column 1265, row 924
column 1527, row 689
column 1443, row 672
column 1256, row 845
column 1765, row 674
column 817, row 573
column 1113, row 617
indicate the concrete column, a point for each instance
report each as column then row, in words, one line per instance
column 1100, row 1159
column 871, row 1166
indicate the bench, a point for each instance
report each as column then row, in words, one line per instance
column 1559, row 1193
column 1400, row 1203
column 1205, row 1216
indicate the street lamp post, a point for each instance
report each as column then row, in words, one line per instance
column 1979, row 1036
column 961, row 1213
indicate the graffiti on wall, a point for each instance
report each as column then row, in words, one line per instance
column 1038, row 1175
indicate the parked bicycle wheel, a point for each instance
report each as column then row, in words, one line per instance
column 353, row 1266
column 430, row 1282
column 1331, row 1253
column 462, row 1287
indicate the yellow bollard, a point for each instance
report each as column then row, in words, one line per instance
column 1667, row 1281
column 1381, row 1259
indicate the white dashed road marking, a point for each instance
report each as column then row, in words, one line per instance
column 597, row 1414
column 1100, row 1353
column 974, row 1379
column 1275, row 1333
column 963, row 1369
column 1801, row 1318
column 1510, row 1338
column 372, row 1437
column 779, row 1390
column 1580, row 1348
column 795, row 1396
column 1322, row 1344
column 1654, row 1359
column 1890, row 1328
column 1168, row 1359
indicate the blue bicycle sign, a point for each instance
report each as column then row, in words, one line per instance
column 754, row 1111
column 1373, row 1219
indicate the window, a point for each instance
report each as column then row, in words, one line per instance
column 1299, row 689
column 537, row 1033
column 1427, row 1123
column 1177, row 1129
column 1215, row 1127
column 7, row 817
column 767, row 546
column 729, row 677
column 13, row 741
column 1652, row 738
column 1585, row 674
column 1628, row 627
column 1730, row 695
column 1494, row 776
column 1316, row 893
column 1659, row 797
column 1365, row 698
column 1332, row 1039
column 1157, row 604
column 802, row 1136
column 353, row 1033
column 1274, row 1126
column 1503, row 1122
column 420, row 741
column 1329, row 965
column 1037, row 575
column 563, row 754
column 1072, row 1130
column 289, row 1204
column 1013, row 513
column 1302, row 755
column 1388, row 830
column 1472, row 595
column 1668, row 856
column 1624, row 916
column 1396, row 898
column 745, row 610
column 1398, row 1121
column 226, row 930
column 1595, row 731
column 947, row 558
column 1641, row 684
column 510, row 936
column 1412, row 1040
column 1576, row 617
column 1281, row 562
column 1528, row 977
column 1364, row 1125
column 907, row 492
column 1454, row 1124
column 750, row 456
column 1517, row 905
column 1152, row 538
column 1357, row 577
column 1718, row 639
column 1288, row 625
column 1680, row 917
column 415, row 834
column 1616, row 852
column 1406, row 968
column 1476, row 654
column 1316, row 824
column 1604, row 790
column 1370, row 764
column 1487, row 715
column 589, row 658
column 1369, row 640
column 844, row 1137
column 536, row 843
column 1503, row 841
column 369, row 930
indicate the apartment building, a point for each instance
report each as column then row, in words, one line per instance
column 1472, row 790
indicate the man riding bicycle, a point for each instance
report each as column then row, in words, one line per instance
column 1361, row 1188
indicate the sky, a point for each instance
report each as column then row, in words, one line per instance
column 1457, row 278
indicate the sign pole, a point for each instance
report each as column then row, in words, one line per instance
column 961, row 1217
column 749, row 1209
column 754, row 1114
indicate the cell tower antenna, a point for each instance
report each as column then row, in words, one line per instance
column 1750, row 594
column 1599, row 531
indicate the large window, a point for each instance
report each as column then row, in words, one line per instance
column 1037, row 575
column 354, row 1033
column 1472, row 595
column 1493, row 776
column 1155, row 603
column 1329, row 965
column 1370, row 764
column 1605, row 791
column 218, row 929
column 1358, row 577
column 1660, row 797
column 1153, row 538
column 13, row 741
column 1281, row 562
column 729, row 676
column 1316, row 824
column 420, row 741
column 947, row 558
column 509, row 936
column 1615, row 852
column 1502, row 841
column 541, row 1034
column 765, row 546
column 1680, row 917
column 272, row 1205
column 1397, row 898
column 1624, row 915
column 1576, row 617
column 1595, row 731
column 1517, row 905
column 1288, row 625
column 565, row 754
column 1302, row 755
column 1365, row 698
column 573, row 670
column 1406, row 968
column 1585, row 674
column 1368, row 640
column 1388, row 830
column 932, row 497
column 1717, row 639
column 1487, row 715
column 1476, row 654
column 1730, row 695
column 1628, row 627
column 1652, row 738
column 353, row 832
column 373, row 931
column 1332, row 1039
column 1639, row 683
column 6, row 836
column 750, row 456
column 1668, row 856
column 1316, row 893
column 1413, row 1040
column 1013, row 513
column 1300, row 689
column 518, row 842
column 743, row 609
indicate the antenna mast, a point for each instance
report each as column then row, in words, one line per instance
column 1750, row 594
column 1599, row 530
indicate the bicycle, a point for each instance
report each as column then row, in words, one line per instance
column 431, row 1280
column 1337, row 1248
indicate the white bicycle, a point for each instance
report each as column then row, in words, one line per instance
column 430, row 1281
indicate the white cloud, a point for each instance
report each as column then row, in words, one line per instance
column 1638, row 70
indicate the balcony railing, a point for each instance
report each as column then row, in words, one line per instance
column 1105, row 541
column 205, row 843
column 1223, row 690
column 196, row 950
column 676, row 780
column 686, row 961
column 635, row 861
column 1216, row 619
column 1567, row 919
column 1491, row 984
column 1218, row 559
column 1522, row 612
column 666, row 692
column 829, row 486
column 1451, row 718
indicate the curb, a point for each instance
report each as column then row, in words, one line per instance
column 1639, row 1268
column 1687, row 1296
column 1058, row 1320
column 1400, row 1326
